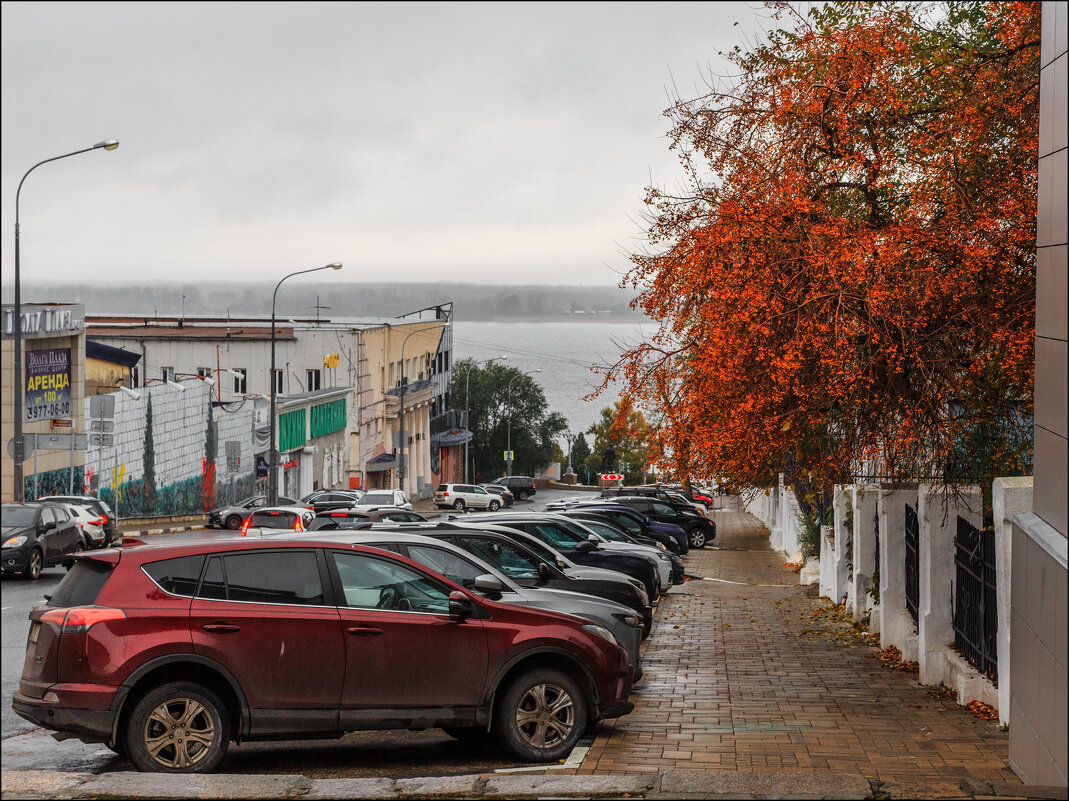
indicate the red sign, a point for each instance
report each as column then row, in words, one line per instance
column 611, row 477
column 290, row 464
column 62, row 422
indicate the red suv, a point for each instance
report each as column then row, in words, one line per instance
column 166, row 653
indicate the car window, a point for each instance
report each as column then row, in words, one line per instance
column 275, row 519
column 177, row 576
column 371, row 498
column 662, row 509
column 442, row 488
column 605, row 530
column 81, row 585
column 370, row 583
column 18, row 515
column 277, row 577
column 62, row 516
column 505, row 556
column 478, row 490
column 555, row 535
column 449, row 564
column 541, row 549
column 47, row 516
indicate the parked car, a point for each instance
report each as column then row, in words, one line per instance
column 480, row 575
column 464, row 496
column 611, row 531
column 325, row 500
column 700, row 529
column 507, row 498
column 375, row 498
column 523, row 487
column 233, row 515
column 37, row 535
column 192, row 633
column 351, row 518
column 633, row 521
column 656, row 554
column 529, row 568
column 578, row 548
column 274, row 518
column 91, row 524
column 112, row 535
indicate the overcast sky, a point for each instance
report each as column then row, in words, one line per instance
column 507, row 143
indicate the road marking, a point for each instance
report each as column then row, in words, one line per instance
column 575, row 760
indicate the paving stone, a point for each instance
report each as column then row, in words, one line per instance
column 439, row 786
column 40, row 783
column 158, row 785
column 906, row 788
column 352, row 788
column 765, row 784
column 566, row 786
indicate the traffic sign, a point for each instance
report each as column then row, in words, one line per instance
column 611, row 477
column 509, row 456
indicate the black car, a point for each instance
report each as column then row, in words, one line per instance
column 38, row 535
column 326, row 500
column 580, row 550
column 234, row 515
column 523, row 487
column 112, row 535
column 700, row 530
column 614, row 532
column 633, row 522
column 507, row 498
column 529, row 569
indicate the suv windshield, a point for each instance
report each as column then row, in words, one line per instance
column 371, row 498
column 18, row 515
column 272, row 519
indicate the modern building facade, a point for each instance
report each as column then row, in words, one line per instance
column 1038, row 614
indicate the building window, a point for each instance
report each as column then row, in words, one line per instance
column 135, row 377
column 241, row 383
column 278, row 382
column 204, row 372
column 168, row 373
column 312, row 383
column 391, row 376
column 447, row 360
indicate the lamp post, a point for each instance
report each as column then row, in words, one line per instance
column 467, row 422
column 17, row 388
column 272, row 454
column 508, row 447
column 402, row 463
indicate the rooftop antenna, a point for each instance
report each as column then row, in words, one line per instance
column 317, row 307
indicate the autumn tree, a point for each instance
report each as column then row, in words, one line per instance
column 845, row 280
column 623, row 429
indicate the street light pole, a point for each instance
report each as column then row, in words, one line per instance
column 508, row 447
column 467, row 422
column 16, row 387
column 402, row 462
column 272, row 453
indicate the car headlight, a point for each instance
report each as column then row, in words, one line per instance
column 662, row 546
column 601, row 631
column 663, row 556
column 631, row 620
column 15, row 542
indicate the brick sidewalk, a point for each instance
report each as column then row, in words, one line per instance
column 732, row 683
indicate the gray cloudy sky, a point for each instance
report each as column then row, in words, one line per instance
column 508, row 143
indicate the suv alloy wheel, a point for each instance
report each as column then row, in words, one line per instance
column 494, row 506
column 458, row 504
column 696, row 537
column 34, row 564
column 542, row 715
column 179, row 727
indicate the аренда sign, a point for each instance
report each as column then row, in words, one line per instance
column 48, row 384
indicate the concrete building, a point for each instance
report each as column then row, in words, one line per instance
column 1038, row 614
column 53, row 395
column 375, row 361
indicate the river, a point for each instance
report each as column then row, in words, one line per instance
column 565, row 352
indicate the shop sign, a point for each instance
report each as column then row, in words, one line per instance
column 289, row 465
column 39, row 320
column 261, row 465
column 48, row 384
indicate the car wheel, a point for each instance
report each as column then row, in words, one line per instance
column 494, row 506
column 35, row 562
column 458, row 504
column 696, row 537
column 233, row 522
column 179, row 727
column 78, row 548
column 541, row 716
column 522, row 495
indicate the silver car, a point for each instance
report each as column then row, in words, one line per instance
column 475, row 574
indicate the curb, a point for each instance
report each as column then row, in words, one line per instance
column 147, row 532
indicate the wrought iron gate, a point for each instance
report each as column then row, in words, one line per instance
column 912, row 562
column 975, row 606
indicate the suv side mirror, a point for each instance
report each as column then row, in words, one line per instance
column 460, row 605
column 488, row 585
column 46, row 526
column 543, row 571
column 584, row 547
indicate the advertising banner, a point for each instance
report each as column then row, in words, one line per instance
column 48, row 384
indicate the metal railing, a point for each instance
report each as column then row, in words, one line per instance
column 975, row 605
column 913, row 572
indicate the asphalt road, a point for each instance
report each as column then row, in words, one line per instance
column 397, row 754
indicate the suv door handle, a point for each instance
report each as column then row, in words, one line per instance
column 364, row 631
column 221, row 628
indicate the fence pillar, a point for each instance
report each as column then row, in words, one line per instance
column 827, row 563
column 1010, row 497
column 863, row 514
column 841, row 545
column 896, row 624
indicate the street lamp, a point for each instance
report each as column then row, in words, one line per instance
column 17, row 388
column 467, row 422
column 402, row 462
column 272, row 454
column 508, row 447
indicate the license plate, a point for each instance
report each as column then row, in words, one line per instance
column 35, row 632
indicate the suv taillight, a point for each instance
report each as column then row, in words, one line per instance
column 245, row 525
column 81, row 618
column 103, row 520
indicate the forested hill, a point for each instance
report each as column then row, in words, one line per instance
column 338, row 299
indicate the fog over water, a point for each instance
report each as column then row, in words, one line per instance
column 565, row 352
